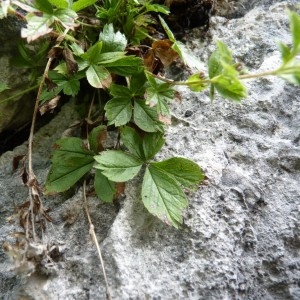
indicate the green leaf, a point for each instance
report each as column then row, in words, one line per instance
column 110, row 57
column 70, row 161
column 117, row 165
column 48, row 95
column 228, row 85
column 286, row 53
column 152, row 143
column 146, row 117
column 81, row 4
column 37, row 26
column 176, row 45
column 66, row 17
column 295, row 30
column 98, row 76
column 77, row 50
column 162, row 196
column 184, row 171
column 112, row 42
column 218, row 57
column 118, row 111
column 126, row 66
column 132, row 141
column 137, row 82
column 117, row 90
column 93, row 53
column 158, row 94
column 157, row 8
column 60, row 3
column 105, row 189
column 3, row 87
column 96, row 138
column 214, row 64
column 43, row 5
column 195, row 83
column 167, row 29
column 70, row 85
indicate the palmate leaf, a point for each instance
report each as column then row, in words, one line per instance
column 70, row 85
column 162, row 196
column 158, row 94
column 125, row 66
column 38, row 26
column 70, row 161
column 117, row 165
column 144, row 148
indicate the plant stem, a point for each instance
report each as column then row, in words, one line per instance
column 251, row 76
column 35, row 111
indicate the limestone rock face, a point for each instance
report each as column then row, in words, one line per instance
column 18, row 111
column 241, row 238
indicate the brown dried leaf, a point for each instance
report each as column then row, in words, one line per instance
column 150, row 61
column 72, row 66
column 163, row 50
column 120, row 190
column 55, row 52
column 49, row 105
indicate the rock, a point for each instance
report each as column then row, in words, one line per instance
column 241, row 238
column 16, row 112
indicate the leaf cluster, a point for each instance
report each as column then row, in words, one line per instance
column 108, row 48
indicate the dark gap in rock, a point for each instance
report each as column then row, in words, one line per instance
column 12, row 138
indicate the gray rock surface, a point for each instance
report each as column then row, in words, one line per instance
column 241, row 238
column 16, row 112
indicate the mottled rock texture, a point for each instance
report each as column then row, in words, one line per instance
column 241, row 238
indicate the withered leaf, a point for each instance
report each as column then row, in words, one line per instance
column 120, row 190
column 72, row 66
column 150, row 61
column 163, row 50
column 49, row 105
column 55, row 52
